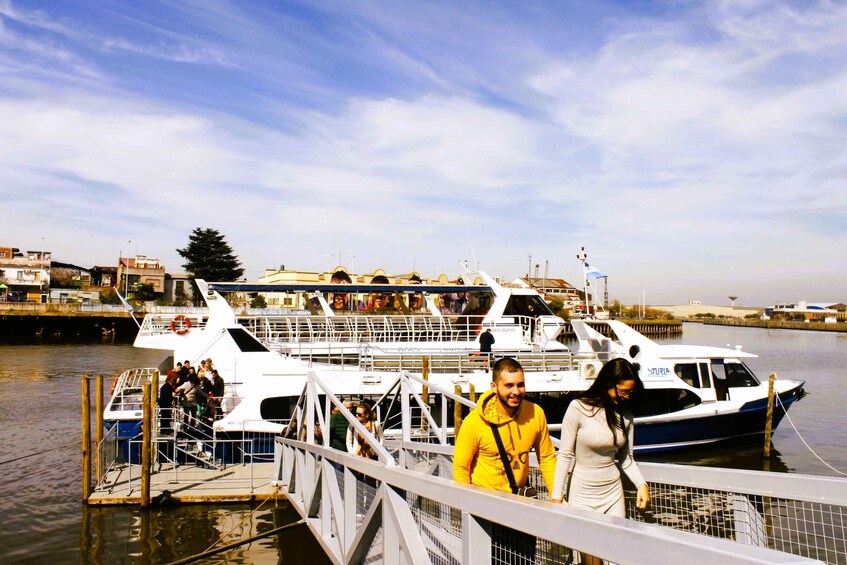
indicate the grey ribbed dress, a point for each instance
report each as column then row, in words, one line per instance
column 588, row 446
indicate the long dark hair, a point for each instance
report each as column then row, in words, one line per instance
column 613, row 372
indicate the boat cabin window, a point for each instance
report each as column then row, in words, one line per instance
column 664, row 401
column 527, row 305
column 688, row 373
column 245, row 342
column 276, row 408
column 736, row 375
column 705, row 375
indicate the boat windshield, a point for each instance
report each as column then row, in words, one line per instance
column 527, row 305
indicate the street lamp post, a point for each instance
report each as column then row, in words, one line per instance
column 126, row 274
column 41, row 274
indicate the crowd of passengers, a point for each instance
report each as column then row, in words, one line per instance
column 195, row 392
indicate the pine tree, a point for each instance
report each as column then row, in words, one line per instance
column 209, row 257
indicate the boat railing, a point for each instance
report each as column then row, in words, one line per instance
column 373, row 328
column 160, row 324
column 377, row 359
column 717, row 515
column 128, row 393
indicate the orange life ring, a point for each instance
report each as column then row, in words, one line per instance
column 184, row 326
column 114, row 386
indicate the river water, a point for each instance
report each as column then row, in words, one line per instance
column 40, row 486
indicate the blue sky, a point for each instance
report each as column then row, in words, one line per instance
column 696, row 149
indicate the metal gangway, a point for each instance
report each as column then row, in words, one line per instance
column 405, row 507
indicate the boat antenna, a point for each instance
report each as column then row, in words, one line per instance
column 470, row 244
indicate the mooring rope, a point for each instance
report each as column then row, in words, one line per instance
column 812, row 451
column 38, row 453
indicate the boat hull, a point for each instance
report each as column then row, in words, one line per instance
column 680, row 433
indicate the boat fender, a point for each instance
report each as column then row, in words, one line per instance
column 589, row 370
column 184, row 326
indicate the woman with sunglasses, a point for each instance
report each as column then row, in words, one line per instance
column 356, row 443
column 596, row 445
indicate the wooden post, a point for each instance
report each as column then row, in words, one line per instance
column 425, row 390
column 86, row 438
column 145, row 447
column 457, row 412
column 769, row 417
column 98, row 430
column 471, row 392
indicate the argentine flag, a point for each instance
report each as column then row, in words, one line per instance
column 594, row 273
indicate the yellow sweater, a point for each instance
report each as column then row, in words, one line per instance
column 476, row 459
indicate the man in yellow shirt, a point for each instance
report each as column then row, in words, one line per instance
column 522, row 426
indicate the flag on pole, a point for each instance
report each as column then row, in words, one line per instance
column 594, row 273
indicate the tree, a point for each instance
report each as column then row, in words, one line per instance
column 258, row 302
column 143, row 292
column 209, row 257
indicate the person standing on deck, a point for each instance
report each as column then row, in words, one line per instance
column 166, row 402
column 522, row 426
column 486, row 340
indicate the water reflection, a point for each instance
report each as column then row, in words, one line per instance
column 118, row 534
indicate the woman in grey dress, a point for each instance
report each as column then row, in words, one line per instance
column 596, row 445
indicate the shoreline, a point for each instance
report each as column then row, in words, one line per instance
column 838, row 327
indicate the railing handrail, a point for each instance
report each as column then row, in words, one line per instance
column 579, row 529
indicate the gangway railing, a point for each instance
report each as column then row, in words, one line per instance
column 405, row 507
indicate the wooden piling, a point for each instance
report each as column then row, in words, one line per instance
column 98, row 426
column 471, row 392
column 769, row 417
column 86, row 438
column 457, row 412
column 146, row 435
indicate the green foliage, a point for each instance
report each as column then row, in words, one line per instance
column 108, row 296
column 209, row 257
column 555, row 304
column 258, row 301
column 704, row 315
column 752, row 317
column 143, row 292
column 180, row 298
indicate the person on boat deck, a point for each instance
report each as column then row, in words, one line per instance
column 486, row 340
column 166, row 401
column 522, row 426
column 218, row 390
column 356, row 442
column 596, row 446
column 188, row 396
column 183, row 373
column 339, row 301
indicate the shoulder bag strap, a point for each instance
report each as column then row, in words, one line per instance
column 505, row 459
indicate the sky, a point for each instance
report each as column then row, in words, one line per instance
column 696, row 150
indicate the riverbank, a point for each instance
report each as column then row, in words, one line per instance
column 839, row 327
